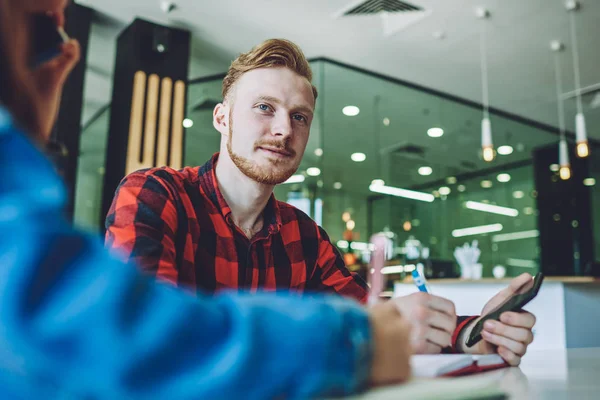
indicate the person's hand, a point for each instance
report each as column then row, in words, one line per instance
column 433, row 321
column 508, row 337
column 391, row 347
column 48, row 79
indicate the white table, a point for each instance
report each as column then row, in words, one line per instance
column 549, row 374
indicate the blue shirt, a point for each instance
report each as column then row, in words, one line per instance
column 74, row 322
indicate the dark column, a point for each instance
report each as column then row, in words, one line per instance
column 67, row 131
column 565, row 215
column 148, row 103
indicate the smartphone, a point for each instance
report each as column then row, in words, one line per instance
column 46, row 39
column 526, row 293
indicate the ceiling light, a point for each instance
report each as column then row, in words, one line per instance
column 337, row 185
column 377, row 182
column 188, row 123
column 519, row 194
column 477, row 230
column 505, row 150
column 515, row 262
column 589, row 182
column 486, row 184
column 346, row 216
column 506, row 237
column 461, row 188
column 435, row 132
column 320, row 183
column 435, row 194
column 503, row 178
column 318, row 152
column 295, row 179
column 392, row 269
column 425, row 171
column 358, row 157
column 350, row 225
column 408, row 194
column 451, row 180
column 528, row 211
column 386, row 121
column 554, row 167
column 350, row 111
column 444, row 190
column 313, row 171
column 474, row 205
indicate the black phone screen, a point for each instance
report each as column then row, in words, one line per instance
column 516, row 302
column 45, row 39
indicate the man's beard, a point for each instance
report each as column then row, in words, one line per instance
column 269, row 175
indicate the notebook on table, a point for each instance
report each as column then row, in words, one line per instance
column 436, row 365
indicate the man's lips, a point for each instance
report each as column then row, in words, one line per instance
column 284, row 153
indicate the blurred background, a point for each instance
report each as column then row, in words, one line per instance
column 397, row 143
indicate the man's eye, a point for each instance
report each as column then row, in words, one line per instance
column 299, row 117
column 264, row 107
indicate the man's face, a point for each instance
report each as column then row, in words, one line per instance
column 270, row 113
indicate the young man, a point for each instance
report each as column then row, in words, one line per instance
column 219, row 226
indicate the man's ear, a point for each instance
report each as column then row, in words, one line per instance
column 221, row 118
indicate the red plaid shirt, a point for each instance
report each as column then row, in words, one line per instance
column 177, row 225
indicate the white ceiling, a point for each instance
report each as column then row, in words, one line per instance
column 520, row 62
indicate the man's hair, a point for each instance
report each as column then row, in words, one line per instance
column 270, row 53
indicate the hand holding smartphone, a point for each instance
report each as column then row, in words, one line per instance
column 514, row 303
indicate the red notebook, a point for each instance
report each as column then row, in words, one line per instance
column 436, row 365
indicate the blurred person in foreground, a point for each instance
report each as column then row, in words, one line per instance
column 76, row 323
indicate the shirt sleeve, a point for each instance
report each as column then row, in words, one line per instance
column 77, row 323
column 332, row 274
column 141, row 226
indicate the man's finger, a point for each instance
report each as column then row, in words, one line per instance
column 442, row 321
column 511, row 358
column 516, row 347
column 439, row 337
column 443, row 305
column 522, row 335
column 523, row 319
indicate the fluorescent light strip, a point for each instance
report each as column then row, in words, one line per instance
column 393, row 269
column 474, row 205
column 477, row 230
column 408, row 194
column 295, row 179
column 360, row 246
column 505, row 237
column 515, row 262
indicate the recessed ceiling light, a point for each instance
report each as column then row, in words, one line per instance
column 503, row 178
column 435, row 132
column 350, row 225
column 505, row 150
column 444, row 190
column 461, row 188
column 377, row 182
column 188, row 123
column 425, row 171
column 589, row 182
column 318, row 152
column 351, row 111
column 313, row 171
column 519, row 194
column 386, row 121
column 337, row 185
column 528, row 211
column 358, row 157
column 486, row 184
column 435, row 193
column 554, row 167
column 451, row 180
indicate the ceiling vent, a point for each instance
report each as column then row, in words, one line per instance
column 395, row 15
column 377, row 6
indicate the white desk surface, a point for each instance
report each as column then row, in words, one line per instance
column 549, row 374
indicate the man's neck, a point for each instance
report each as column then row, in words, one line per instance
column 246, row 198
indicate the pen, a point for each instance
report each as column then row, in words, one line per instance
column 420, row 281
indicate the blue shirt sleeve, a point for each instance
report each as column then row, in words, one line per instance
column 75, row 322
